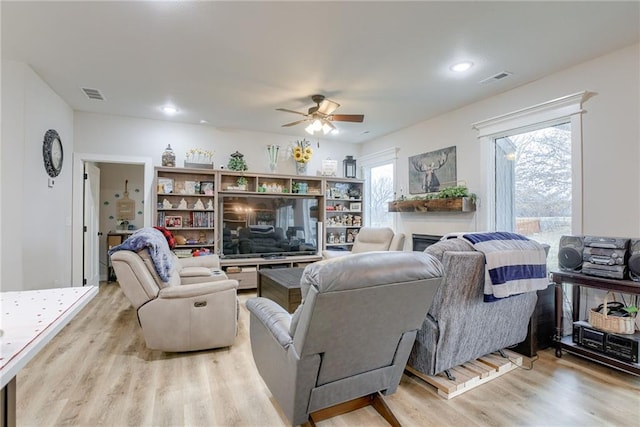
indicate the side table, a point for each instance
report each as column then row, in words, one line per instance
column 281, row 285
column 566, row 343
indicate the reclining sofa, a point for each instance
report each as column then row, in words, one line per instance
column 460, row 326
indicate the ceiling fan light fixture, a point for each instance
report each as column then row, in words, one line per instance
column 315, row 126
column 309, row 129
column 326, row 128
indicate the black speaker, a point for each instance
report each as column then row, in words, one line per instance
column 634, row 260
column 570, row 253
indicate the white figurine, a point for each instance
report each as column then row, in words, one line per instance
column 166, row 204
column 199, row 205
column 183, row 204
column 210, row 205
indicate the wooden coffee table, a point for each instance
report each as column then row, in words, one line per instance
column 281, row 285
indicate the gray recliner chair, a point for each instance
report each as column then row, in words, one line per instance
column 350, row 338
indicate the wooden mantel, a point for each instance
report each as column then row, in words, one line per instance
column 459, row 204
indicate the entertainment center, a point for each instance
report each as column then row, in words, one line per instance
column 257, row 221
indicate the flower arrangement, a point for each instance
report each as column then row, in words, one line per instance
column 301, row 151
column 198, row 155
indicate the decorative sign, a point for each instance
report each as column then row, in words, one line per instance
column 329, row 167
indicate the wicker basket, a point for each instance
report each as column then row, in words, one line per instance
column 615, row 324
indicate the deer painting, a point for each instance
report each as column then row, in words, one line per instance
column 425, row 166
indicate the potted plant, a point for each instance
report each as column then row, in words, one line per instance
column 242, row 183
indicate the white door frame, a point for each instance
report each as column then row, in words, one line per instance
column 91, row 253
column 79, row 159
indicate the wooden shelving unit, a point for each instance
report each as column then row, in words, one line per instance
column 343, row 212
column 185, row 200
column 197, row 216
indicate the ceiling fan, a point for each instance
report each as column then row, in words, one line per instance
column 321, row 116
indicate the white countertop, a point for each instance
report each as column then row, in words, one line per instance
column 30, row 319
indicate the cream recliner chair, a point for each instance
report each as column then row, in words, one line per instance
column 350, row 337
column 195, row 311
column 371, row 239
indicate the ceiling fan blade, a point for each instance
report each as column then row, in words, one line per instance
column 327, row 107
column 356, row 118
column 290, row 111
column 294, row 123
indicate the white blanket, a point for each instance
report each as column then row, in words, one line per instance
column 514, row 264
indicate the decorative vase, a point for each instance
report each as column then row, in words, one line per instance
column 301, row 168
column 169, row 157
column 272, row 154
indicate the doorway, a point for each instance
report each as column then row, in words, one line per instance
column 85, row 261
column 119, row 184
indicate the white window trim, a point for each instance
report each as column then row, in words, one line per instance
column 372, row 160
column 566, row 108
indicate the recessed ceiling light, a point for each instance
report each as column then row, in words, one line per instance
column 461, row 66
column 203, row 122
column 169, row 109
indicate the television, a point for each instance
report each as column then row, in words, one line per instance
column 268, row 226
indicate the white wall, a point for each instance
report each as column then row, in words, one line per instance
column 611, row 145
column 36, row 236
column 104, row 134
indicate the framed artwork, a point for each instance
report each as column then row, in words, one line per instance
column 190, row 187
column 165, row 185
column 206, row 188
column 355, row 207
column 431, row 172
column 173, row 221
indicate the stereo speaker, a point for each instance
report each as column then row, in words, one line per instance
column 570, row 253
column 634, row 260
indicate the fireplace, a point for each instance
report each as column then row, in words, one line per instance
column 422, row 241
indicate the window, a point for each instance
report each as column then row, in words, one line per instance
column 519, row 148
column 380, row 194
column 379, row 174
column 533, row 185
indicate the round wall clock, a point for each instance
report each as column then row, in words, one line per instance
column 52, row 153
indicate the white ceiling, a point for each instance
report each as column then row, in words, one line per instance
column 234, row 63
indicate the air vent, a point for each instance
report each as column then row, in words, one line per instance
column 93, row 94
column 501, row 75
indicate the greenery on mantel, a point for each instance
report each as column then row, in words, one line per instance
column 450, row 199
column 445, row 193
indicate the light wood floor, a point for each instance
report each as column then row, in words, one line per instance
column 98, row 372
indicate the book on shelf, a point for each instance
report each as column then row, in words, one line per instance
column 202, row 219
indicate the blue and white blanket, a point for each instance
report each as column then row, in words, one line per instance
column 156, row 244
column 514, row 264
